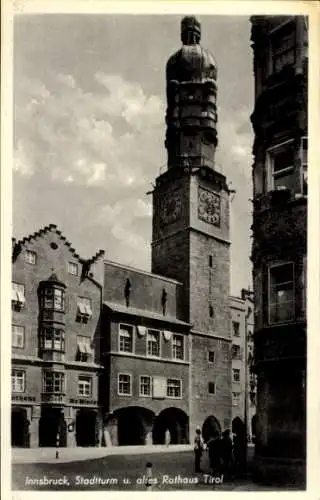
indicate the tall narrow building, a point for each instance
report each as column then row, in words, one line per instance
column 280, row 243
column 191, row 226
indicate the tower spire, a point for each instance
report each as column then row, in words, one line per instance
column 191, row 118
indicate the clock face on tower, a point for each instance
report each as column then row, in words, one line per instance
column 170, row 208
column 209, row 207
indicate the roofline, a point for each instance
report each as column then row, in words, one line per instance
column 141, row 271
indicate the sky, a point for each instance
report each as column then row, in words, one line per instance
column 89, row 107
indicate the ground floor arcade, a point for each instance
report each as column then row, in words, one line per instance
column 49, row 426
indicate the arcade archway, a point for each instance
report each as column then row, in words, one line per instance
column 211, row 427
column 173, row 422
column 86, row 421
column 19, row 428
column 134, row 424
column 238, row 426
column 51, row 424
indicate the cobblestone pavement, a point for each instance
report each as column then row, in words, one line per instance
column 170, row 471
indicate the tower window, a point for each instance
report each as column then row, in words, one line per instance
column 210, row 261
column 236, row 328
column 211, row 356
column 236, row 351
column 211, row 311
column 211, row 388
column 281, row 293
column 236, row 375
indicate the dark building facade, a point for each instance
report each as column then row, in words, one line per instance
column 156, row 346
column 279, row 252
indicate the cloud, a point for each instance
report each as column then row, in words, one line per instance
column 68, row 134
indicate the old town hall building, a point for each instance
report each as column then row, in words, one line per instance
column 106, row 354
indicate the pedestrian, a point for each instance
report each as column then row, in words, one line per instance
column 239, row 445
column 226, row 452
column 214, row 449
column 198, row 449
column 167, row 437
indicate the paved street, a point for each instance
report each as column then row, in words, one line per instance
column 170, row 471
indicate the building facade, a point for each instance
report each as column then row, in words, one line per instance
column 106, row 345
column 243, row 377
column 56, row 306
column 279, row 119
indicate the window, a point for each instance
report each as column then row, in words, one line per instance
column 73, row 268
column 84, row 311
column 125, row 338
column 174, row 388
column 84, row 352
column 304, row 284
column 211, row 311
column 17, row 336
column 18, row 297
column 178, row 347
column 235, row 398
column 304, row 164
column 236, row 375
column 124, row 384
column 280, row 161
column 145, row 385
column 283, row 47
column 236, row 351
column 211, row 388
column 281, row 293
column 54, row 299
column 236, row 328
column 84, row 386
column 52, row 338
column 211, row 356
column 53, row 382
column 210, row 260
column 153, row 343
column 30, row 257
column 18, row 380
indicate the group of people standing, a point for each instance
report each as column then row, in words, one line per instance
column 226, row 455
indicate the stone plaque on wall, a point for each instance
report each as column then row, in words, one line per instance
column 159, row 387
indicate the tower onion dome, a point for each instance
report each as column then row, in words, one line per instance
column 192, row 62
